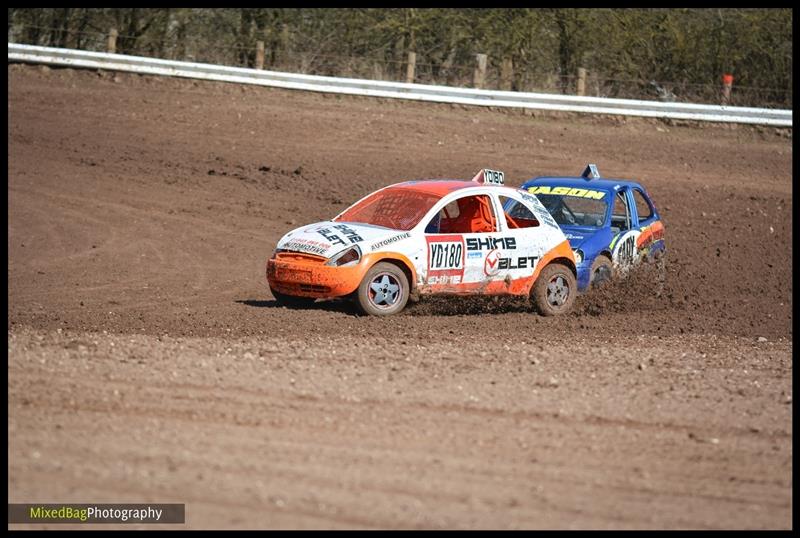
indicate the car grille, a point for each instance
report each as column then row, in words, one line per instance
column 292, row 288
column 301, row 257
column 317, row 288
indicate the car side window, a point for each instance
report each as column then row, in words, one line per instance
column 470, row 214
column 620, row 217
column 517, row 214
column 643, row 208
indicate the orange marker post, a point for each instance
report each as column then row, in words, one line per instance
column 727, row 85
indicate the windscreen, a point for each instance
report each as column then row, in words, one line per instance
column 395, row 208
column 574, row 210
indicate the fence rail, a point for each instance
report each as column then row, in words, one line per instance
column 376, row 88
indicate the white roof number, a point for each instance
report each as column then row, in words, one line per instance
column 490, row 177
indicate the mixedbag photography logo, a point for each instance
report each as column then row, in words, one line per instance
column 96, row 513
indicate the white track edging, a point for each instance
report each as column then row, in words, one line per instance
column 399, row 90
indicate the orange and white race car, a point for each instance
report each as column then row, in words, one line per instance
column 429, row 237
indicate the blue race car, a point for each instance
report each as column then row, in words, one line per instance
column 611, row 224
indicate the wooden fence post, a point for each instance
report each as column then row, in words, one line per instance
column 411, row 66
column 284, row 39
column 396, row 66
column 112, row 40
column 259, row 55
column 581, row 81
column 506, row 73
column 479, row 77
column 377, row 71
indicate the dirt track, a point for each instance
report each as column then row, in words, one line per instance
column 149, row 363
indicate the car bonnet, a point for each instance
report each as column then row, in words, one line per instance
column 328, row 238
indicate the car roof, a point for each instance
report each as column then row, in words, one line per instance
column 604, row 184
column 439, row 187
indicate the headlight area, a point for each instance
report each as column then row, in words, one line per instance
column 350, row 256
column 578, row 256
column 276, row 252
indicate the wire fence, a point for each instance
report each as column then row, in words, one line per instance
column 382, row 64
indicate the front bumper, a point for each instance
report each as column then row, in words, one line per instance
column 307, row 276
column 584, row 271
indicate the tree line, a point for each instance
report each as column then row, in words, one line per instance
column 627, row 52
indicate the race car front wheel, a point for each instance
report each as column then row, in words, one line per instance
column 383, row 291
column 292, row 301
column 554, row 291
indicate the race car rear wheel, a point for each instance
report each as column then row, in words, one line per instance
column 383, row 291
column 554, row 291
column 602, row 270
column 292, row 301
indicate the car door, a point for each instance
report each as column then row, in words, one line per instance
column 461, row 233
column 528, row 239
column 623, row 225
column 650, row 242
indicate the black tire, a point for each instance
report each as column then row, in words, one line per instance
column 602, row 271
column 554, row 291
column 292, row 301
column 383, row 291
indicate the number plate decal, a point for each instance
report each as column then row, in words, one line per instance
column 446, row 259
column 625, row 254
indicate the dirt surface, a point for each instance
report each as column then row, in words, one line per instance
column 148, row 361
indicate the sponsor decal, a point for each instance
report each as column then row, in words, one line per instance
column 394, row 239
column 631, row 247
column 548, row 219
column 651, row 239
column 495, row 263
column 446, row 258
column 491, row 243
column 332, row 234
column 614, row 241
column 541, row 213
column 623, row 249
column 444, row 279
column 650, row 234
column 522, row 262
column 491, row 266
column 304, row 245
column 567, row 191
